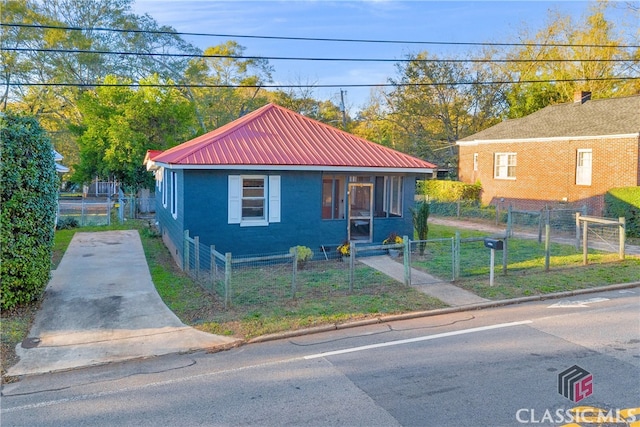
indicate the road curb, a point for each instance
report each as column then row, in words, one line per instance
column 437, row 312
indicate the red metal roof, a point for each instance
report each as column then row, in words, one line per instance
column 149, row 157
column 280, row 138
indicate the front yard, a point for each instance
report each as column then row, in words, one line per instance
column 250, row 318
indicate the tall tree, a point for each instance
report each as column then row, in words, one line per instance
column 583, row 48
column 38, row 59
column 435, row 103
column 220, row 72
column 120, row 124
column 373, row 123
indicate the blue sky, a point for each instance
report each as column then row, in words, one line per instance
column 449, row 21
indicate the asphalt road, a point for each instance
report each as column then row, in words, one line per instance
column 494, row 367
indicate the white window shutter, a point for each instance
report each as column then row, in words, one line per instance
column 235, row 200
column 274, row 199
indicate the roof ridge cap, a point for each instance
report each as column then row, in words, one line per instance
column 351, row 135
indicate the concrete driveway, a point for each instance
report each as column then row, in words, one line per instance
column 101, row 307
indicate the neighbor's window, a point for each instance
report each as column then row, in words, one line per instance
column 583, row 167
column 505, row 166
column 475, row 162
column 174, row 194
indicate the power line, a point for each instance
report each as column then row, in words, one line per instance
column 293, row 58
column 321, row 39
column 281, row 86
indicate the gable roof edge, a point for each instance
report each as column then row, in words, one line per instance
column 546, row 139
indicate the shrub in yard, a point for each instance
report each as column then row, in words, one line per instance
column 304, row 254
column 624, row 201
column 449, row 191
column 420, row 216
column 67, row 223
column 27, row 209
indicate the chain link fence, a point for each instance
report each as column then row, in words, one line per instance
column 252, row 281
column 133, row 207
column 516, row 221
column 83, row 212
column 270, row 278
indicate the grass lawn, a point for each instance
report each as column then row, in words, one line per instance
column 194, row 306
column 525, row 272
column 248, row 318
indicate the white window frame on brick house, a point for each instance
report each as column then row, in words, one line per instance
column 174, row 195
column 504, row 165
column 475, row 162
column 584, row 166
column 243, row 198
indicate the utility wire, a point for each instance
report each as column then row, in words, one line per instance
column 293, row 58
column 279, row 86
column 340, row 40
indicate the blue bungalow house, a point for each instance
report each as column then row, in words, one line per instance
column 274, row 179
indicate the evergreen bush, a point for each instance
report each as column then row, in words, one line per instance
column 448, row 191
column 420, row 216
column 27, row 209
column 624, row 202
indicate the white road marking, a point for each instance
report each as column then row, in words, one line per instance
column 123, row 390
column 417, row 339
column 577, row 303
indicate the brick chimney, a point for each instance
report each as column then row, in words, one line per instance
column 580, row 97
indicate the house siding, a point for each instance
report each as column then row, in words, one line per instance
column 171, row 229
column 202, row 209
column 546, row 171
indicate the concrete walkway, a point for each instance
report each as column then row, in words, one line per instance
column 100, row 307
column 425, row 283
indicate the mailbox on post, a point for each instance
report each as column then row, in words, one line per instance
column 495, row 244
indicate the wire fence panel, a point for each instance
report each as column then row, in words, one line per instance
column 475, row 258
column 525, row 222
column 266, row 279
column 85, row 213
column 131, row 207
column 280, row 278
column 518, row 221
column 435, row 257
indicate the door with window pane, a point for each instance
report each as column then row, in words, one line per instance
column 360, row 211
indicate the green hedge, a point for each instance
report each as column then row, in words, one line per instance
column 624, row 201
column 448, row 191
column 27, row 209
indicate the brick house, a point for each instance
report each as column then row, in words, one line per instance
column 568, row 154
